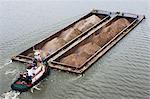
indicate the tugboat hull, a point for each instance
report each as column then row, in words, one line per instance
column 21, row 87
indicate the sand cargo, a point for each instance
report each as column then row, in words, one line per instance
column 63, row 38
column 76, row 47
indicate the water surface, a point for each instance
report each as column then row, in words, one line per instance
column 122, row 73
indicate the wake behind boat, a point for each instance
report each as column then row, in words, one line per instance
column 35, row 72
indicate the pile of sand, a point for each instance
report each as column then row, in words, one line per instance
column 89, row 48
column 53, row 45
column 31, row 54
column 101, row 39
column 116, row 27
column 93, row 19
column 70, row 34
column 85, row 27
column 87, row 23
column 79, row 24
column 110, row 31
column 81, row 55
column 43, row 54
column 73, row 60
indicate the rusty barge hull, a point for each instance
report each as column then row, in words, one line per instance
column 106, row 19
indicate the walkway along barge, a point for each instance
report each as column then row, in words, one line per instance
column 79, row 52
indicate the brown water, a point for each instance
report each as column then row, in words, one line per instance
column 122, row 73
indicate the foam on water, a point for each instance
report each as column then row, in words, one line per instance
column 7, row 63
column 76, row 78
column 10, row 95
column 2, row 66
column 14, row 94
column 10, row 72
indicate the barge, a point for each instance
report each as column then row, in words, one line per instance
column 79, row 52
column 27, row 55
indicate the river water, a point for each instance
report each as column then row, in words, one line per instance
column 122, row 73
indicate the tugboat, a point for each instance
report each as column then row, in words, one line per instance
column 33, row 75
